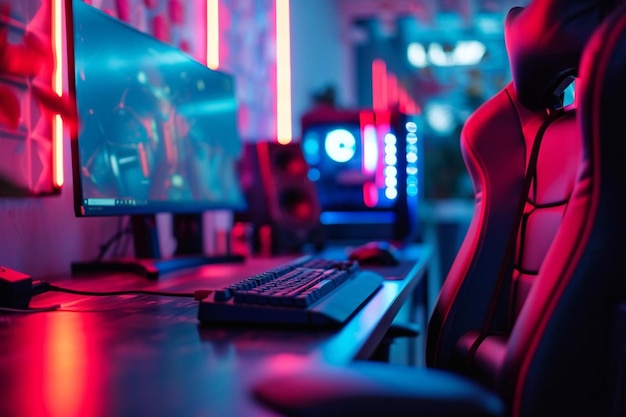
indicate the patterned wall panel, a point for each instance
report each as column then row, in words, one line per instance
column 26, row 66
column 248, row 50
column 179, row 22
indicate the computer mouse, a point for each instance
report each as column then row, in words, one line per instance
column 376, row 253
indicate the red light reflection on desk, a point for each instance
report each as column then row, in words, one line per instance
column 286, row 363
column 65, row 355
column 64, row 368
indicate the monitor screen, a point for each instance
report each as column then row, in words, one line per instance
column 157, row 129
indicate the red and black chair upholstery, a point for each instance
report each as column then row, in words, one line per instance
column 525, row 327
column 523, row 150
column 524, row 324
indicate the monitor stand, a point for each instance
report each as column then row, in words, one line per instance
column 148, row 261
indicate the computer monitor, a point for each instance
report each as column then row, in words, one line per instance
column 157, row 133
column 367, row 167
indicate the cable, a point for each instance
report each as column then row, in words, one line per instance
column 30, row 310
column 115, row 249
column 41, row 286
column 113, row 240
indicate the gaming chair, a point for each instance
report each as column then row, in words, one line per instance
column 524, row 323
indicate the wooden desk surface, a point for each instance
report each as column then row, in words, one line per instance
column 148, row 355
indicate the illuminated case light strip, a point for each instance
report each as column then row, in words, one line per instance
column 390, row 154
column 369, row 144
column 212, row 34
column 57, row 86
column 412, row 158
column 391, row 162
column 283, row 73
column 369, row 156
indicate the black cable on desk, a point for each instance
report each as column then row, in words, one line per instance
column 42, row 286
column 39, row 287
column 30, row 309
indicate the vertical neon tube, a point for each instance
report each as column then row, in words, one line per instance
column 283, row 73
column 379, row 85
column 212, row 34
column 57, row 86
column 369, row 157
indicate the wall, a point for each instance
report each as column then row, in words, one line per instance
column 321, row 55
column 40, row 236
column 247, row 51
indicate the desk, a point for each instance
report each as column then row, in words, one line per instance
column 148, row 355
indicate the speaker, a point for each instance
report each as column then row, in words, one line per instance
column 283, row 205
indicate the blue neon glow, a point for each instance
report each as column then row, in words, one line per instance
column 391, row 193
column 314, row 174
column 391, row 149
column 340, row 145
column 391, row 171
column 361, row 217
column 391, row 182
column 411, row 127
column 390, row 139
column 391, row 159
column 412, row 157
column 311, row 148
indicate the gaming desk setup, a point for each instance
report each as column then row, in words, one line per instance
column 190, row 333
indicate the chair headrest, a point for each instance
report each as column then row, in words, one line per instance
column 544, row 43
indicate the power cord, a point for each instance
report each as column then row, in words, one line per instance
column 17, row 289
column 40, row 287
column 30, row 309
column 116, row 240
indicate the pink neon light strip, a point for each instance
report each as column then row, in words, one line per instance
column 212, row 34
column 379, row 85
column 283, row 73
column 369, row 159
column 57, row 86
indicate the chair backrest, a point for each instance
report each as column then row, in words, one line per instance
column 522, row 309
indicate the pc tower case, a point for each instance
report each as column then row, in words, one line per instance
column 367, row 169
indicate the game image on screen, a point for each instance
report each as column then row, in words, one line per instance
column 157, row 129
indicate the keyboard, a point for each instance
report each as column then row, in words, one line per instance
column 309, row 291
